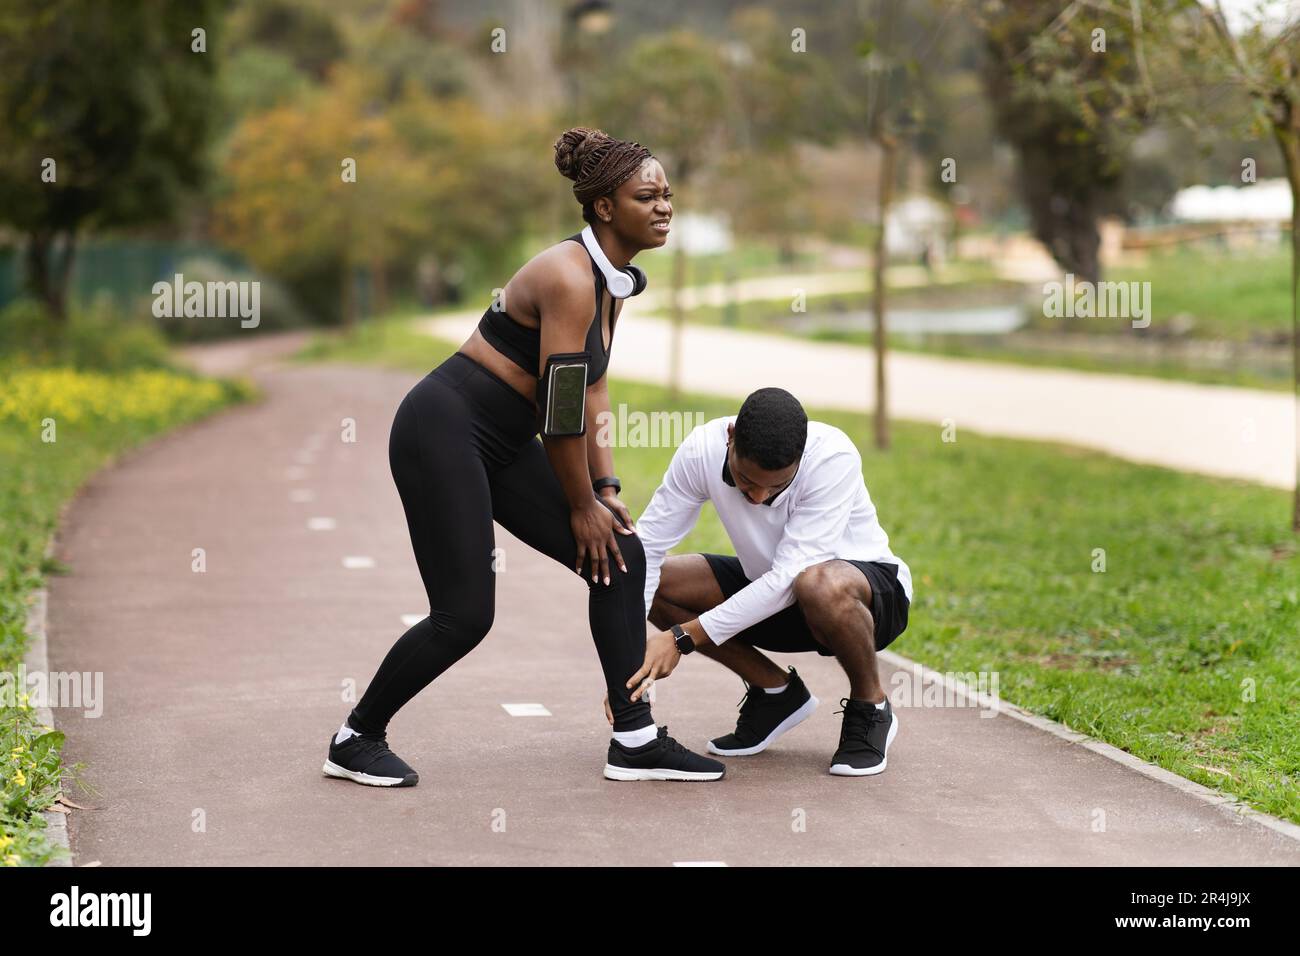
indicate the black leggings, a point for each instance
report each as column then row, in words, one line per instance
column 463, row 449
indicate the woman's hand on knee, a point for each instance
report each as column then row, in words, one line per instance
column 593, row 531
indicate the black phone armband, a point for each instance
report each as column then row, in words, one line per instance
column 562, row 394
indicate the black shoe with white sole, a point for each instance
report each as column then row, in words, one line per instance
column 661, row 759
column 764, row 717
column 864, row 738
column 365, row 758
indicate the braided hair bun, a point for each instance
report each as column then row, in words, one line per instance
column 596, row 162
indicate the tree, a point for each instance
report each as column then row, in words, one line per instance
column 1069, row 100
column 318, row 184
column 1180, row 47
column 670, row 94
column 333, row 182
column 886, row 108
column 888, row 96
column 780, row 96
column 108, row 109
column 1265, row 59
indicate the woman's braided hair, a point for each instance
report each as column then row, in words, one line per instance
column 597, row 163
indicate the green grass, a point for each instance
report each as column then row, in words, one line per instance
column 36, row 479
column 1184, row 651
column 971, row 347
column 1232, row 296
column 772, row 315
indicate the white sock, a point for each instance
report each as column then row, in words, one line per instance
column 636, row 738
column 777, row 690
column 344, row 733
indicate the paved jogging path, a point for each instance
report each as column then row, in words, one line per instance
column 1212, row 429
column 221, row 690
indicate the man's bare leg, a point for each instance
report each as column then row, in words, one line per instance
column 687, row 588
column 750, row 663
column 834, row 597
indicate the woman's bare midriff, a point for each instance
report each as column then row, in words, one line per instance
column 477, row 348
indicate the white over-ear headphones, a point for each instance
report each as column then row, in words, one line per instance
column 620, row 282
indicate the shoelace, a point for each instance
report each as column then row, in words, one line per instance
column 744, row 722
column 374, row 747
column 858, row 722
column 668, row 742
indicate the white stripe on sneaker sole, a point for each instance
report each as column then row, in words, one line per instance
column 798, row 717
column 844, row 770
column 331, row 769
column 651, row 773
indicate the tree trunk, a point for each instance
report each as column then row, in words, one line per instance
column 889, row 147
column 675, row 352
column 1065, row 223
column 1288, row 139
column 347, row 294
column 379, row 285
column 48, row 273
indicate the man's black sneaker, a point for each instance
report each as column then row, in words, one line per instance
column 864, row 738
column 764, row 717
column 365, row 758
column 661, row 759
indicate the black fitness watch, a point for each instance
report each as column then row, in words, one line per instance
column 685, row 643
column 606, row 482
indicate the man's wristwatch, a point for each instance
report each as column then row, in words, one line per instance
column 685, row 643
column 606, row 482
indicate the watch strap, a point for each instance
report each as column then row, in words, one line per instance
column 685, row 643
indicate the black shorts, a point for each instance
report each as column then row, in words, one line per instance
column 786, row 631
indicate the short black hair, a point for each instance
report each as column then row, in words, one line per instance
column 771, row 429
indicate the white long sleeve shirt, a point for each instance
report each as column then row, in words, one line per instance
column 824, row 513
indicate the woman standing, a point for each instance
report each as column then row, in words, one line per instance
column 463, row 452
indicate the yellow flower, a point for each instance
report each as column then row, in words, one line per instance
column 20, row 779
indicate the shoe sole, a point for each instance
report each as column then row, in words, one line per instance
column 331, row 769
column 844, row 770
column 653, row 773
column 796, row 718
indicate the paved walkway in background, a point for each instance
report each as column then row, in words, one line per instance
column 1211, row 429
column 222, row 688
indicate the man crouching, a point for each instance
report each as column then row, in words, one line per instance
column 812, row 572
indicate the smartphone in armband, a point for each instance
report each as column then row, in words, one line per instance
column 566, row 399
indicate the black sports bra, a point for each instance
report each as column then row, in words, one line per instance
column 523, row 345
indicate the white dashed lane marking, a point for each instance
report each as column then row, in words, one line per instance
column 526, row 710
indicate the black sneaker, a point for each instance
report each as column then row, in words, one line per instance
column 661, row 759
column 864, row 738
column 764, row 717
column 365, row 758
